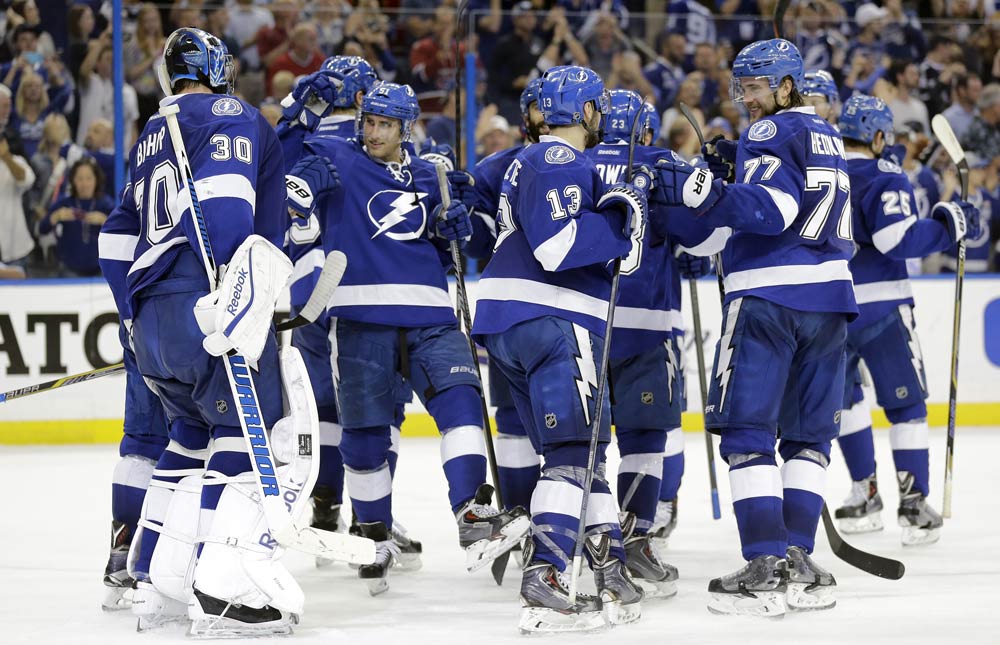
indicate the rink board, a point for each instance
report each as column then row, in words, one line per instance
column 52, row 328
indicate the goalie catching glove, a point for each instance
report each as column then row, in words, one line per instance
column 239, row 313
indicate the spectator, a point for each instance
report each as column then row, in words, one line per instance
column 76, row 220
column 626, row 74
column 273, row 42
column 141, row 53
column 666, row 73
column 904, row 103
column 962, row 111
column 937, row 73
column 281, row 86
column 81, row 25
column 442, row 127
column 692, row 19
column 514, row 61
column 978, row 256
column 26, row 56
column 217, row 22
column 903, row 34
column 368, row 30
column 25, row 12
column 926, row 188
column 582, row 15
column 689, row 94
column 740, row 33
column 302, row 56
column 271, row 112
column 418, row 17
column 97, row 97
column 6, row 105
column 330, row 17
column 31, row 106
column 99, row 143
column 983, row 135
column 563, row 47
column 246, row 20
column 490, row 19
column 55, row 154
column 494, row 136
column 433, row 58
column 706, row 61
column 604, row 44
column 16, row 177
column 867, row 55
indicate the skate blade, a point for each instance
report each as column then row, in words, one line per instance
column 543, row 620
column 867, row 524
column 117, row 599
column 377, row 586
column 483, row 552
column 916, row 536
column 407, row 562
column 659, row 589
column 159, row 622
column 763, row 604
column 618, row 613
column 799, row 598
column 220, row 627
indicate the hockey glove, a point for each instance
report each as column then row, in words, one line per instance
column 461, row 184
column 720, row 155
column 453, row 224
column 692, row 267
column 960, row 218
column 438, row 153
column 680, row 184
column 308, row 181
column 311, row 99
column 630, row 199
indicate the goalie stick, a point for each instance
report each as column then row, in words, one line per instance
column 946, row 136
column 326, row 284
column 280, row 521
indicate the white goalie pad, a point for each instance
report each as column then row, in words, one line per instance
column 239, row 313
column 296, row 436
column 170, row 566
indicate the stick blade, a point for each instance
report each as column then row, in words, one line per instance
column 944, row 133
column 328, row 281
column 876, row 565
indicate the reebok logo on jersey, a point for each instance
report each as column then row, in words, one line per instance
column 762, row 130
column 398, row 215
column 227, row 107
column 234, row 303
column 559, row 155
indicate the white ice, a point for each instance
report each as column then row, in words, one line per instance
column 56, row 516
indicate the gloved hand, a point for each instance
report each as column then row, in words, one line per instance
column 681, row 184
column 692, row 267
column 309, row 180
column 312, row 98
column 438, row 153
column 453, row 223
column 960, row 218
column 631, row 197
column 461, row 184
column 720, row 155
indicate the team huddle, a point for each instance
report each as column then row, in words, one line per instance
column 588, row 223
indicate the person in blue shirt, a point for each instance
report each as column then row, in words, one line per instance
column 77, row 218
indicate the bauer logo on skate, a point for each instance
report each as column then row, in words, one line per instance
column 398, row 215
column 254, row 425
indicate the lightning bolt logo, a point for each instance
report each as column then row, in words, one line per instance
column 671, row 370
column 916, row 356
column 724, row 368
column 401, row 205
column 586, row 383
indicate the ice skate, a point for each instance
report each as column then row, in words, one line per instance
column 862, row 510
column 485, row 533
column 118, row 595
column 664, row 523
column 621, row 596
column 408, row 558
column 545, row 605
column 155, row 610
column 326, row 516
column 376, row 574
column 810, row 586
column 657, row 579
column 758, row 589
column 215, row 618
column 921, row 523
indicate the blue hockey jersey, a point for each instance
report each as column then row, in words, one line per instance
column 790, row 214
column 553, row 247
column 887, row 231
column 380, row 218
column 236, row 163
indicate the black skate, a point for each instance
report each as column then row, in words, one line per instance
column 921, row 523
column 758, row 589
column 215, row 618
column 862, row 510
column 119, row 583
column 376, row 574
column 664, row 523
column 545, row 605
column 408, row 558
column 486, row 533
column 621, row 596
column 810, row 586
column 326, row 516
column 657, row 578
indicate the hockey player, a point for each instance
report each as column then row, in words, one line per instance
column 788, row 299
column 541, row 312
column 887, row 231
column 820, row 91
column 238, row 587
column 392, row 316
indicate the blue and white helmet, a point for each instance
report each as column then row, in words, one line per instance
column 820, row 83
column 626, row 107
column 438, row 153
column 196, row 55
column 772, row 59
column 392, row 101
column 863, row 116
column 652, row 120
column 357, row 74
column 530, row 95
column 566, row 89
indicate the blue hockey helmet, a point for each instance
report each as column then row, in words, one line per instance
column 626, row 107
column 566, row 89
column 820, row 83
column 772, row 59
column 392, row 101
column 652, row 120
column 530, row 95
column 195, row 55
column 357, row 74
column 863, row 116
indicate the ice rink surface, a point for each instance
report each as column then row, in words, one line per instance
column 56, row 517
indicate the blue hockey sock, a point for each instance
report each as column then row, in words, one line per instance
column 910, row 441
column 673, row 465
column 756, row 487
column 803, row 476
column 458, row 414
column 856, row 441
column 369, row 482
column 518, row 465
column 128, row 489
column 639, row 473
column 331, row 464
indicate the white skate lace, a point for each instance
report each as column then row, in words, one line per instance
column 483, row 511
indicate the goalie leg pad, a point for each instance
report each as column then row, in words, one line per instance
column 170, row 566
column 296, row 437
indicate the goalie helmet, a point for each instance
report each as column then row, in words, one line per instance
column 357, row 74
column 625, row 107
column 863, row 116
column 566, row 89
column 196, row 55
column 392, row 101
column 772, row 59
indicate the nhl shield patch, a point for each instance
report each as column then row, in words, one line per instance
column 902, row 392
column 221, row 406
column 646, row 398
column 550, row 420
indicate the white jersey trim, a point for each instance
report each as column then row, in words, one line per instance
column 117, row 246
column 551, row 253
column 787, row 206
column 889, row 237
column 229, row 185
column 306, row 264
column 546, row 295
column 153, row 253
column 882, row 291
column 713, row 244
column 788, row 275
column 400, row 295
column 648, row 319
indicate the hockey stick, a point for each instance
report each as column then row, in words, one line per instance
column 281, row 524
column 326, row 284
column 499, row 565
column 942, row 129
column 779, row 17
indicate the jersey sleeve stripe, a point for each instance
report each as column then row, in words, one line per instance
column 883, row 291
column 792, row 274
column 889, row 237
column 154, row 252
column 711, row 245
column 787, row 205
column 230, row 185
column 552, row 252
column 370, row 295
column 307, row 264
column 546, row 295
column 117, row 246
column 649, row 319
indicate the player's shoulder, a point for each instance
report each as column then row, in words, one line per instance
column 553, row 155
column 331, row 145
column 779, row 128
column 500, row 157
column 213, row 109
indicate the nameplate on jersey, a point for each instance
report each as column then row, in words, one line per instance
column 824, row 144
column 559, row 155
column 398, row 215
column 762, row 130
column 227, row 107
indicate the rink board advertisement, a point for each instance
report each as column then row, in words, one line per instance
column 51, row 329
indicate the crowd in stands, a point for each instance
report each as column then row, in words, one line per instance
column 57, row 98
